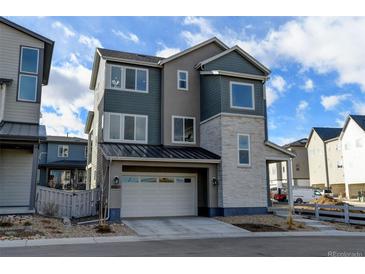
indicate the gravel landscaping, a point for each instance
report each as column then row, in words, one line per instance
column 346, row 227
column 263, row 223
column 38, row 227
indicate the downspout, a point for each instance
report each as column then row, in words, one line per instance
column 265, row 110
column 326, row 166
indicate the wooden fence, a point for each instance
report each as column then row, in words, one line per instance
column 63, row 203
column 346, row 213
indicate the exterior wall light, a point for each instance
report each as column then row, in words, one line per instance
column 116, row 180
column 214, row 181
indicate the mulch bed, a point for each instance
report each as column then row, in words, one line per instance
column 260, row 228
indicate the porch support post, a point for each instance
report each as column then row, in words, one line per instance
column 34, row 177
column 290, row 183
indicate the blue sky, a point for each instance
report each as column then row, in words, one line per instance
column 317, row 70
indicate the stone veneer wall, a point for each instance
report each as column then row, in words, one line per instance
column 239, row 186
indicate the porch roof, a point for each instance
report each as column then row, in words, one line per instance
column 64, row 164
column 22, row 131
column 141, row 152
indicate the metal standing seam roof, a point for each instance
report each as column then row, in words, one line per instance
column 22, row 131
column 327, row 133
column 116, row 151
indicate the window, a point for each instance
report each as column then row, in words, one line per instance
column 297, row 167
column 63, row 151
column 85, row 151
column 243, row 150
column 242, row 95
column 283, row 169
column 28, row 74
column 183, row 129
column 126, row 127
column 129, row 78
column 182, row 80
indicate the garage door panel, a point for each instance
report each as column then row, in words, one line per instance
column 158, row 199
column 15, row 177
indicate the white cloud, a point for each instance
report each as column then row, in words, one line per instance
column 301, row 109
column 359, row 108
column 90, row 41
column 342, row 117
column 330, row 102
column 166, row 51
column 127, row 36
column 68, row 94
column 67, row 31
column 278, row 83
column 308, row 85
column 275, row 88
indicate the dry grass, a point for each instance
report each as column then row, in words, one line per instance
column 267, row 219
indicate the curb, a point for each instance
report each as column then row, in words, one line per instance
column 120, row 239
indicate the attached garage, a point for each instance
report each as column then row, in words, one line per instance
column 15, row 177
column 152, row 195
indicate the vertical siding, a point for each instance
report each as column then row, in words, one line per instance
column 233, row 62
column 10, row 41
column 121, row 101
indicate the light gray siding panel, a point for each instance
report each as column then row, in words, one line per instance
column 15, row 177
column 121, row 101
column 233, row 62
column 10, row 41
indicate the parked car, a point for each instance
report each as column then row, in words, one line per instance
column 304, row 195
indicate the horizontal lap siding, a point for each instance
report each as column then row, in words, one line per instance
column 140, row 103
column 210, row 100
column 10, row 41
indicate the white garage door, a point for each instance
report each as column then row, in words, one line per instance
column 15, row 177
column 150, row 196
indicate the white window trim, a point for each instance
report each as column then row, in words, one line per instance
column 187, row 80
column 58, row 151
column 173, row 129
column 123, row 79
column 35, row 91
column 231, row 83
column 21, row 60
column 238, row 150
column 122, row 116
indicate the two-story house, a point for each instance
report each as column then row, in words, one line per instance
column 25, row 62
column 325, row 159
column 62, row 163
column 353, row 154
column 181, row 136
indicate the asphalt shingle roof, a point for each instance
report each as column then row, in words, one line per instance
column 157, row 151
column 22, row 131
column 327, row 133
column 129, row 56
column 298, row 143
column 360, row 120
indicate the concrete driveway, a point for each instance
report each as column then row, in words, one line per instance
column 188, row 226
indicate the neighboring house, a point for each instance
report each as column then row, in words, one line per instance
column 325, row 159
column 300, row 169
column 353, row 153
column 184, row 135
column 62, row 163
column 25, row 61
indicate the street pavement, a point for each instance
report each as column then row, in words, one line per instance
column 219, row 247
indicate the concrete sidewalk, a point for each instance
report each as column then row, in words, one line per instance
column 119, row 239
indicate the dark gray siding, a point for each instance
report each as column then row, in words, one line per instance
column 258, row 93
column 140, row 103
column 233, row 62
column 210, row 96
column 215, row 96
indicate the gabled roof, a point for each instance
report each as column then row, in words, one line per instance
column 241, row 52
column 325, row 133
column 358, row 119
column 139, row 152
column 108, row 53
column 65, row 139
column 22, row 131
column 279, row 148
column 48, row 46
column 298, row 143
column 202, row 44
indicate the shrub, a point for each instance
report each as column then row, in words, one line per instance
column 50, row 209
column 5, row 223
column 104, row 228
column 27, row 223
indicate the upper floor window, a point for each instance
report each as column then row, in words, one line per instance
column 126, row 128
column 182, row 80
column 244, row 150
column 129, row 78
column 183, row 129
column 242, row 95
column 63, row 151
column 28, row 74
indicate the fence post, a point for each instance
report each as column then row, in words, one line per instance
column 316, row 211
column 346, row 213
